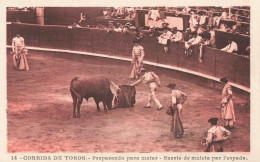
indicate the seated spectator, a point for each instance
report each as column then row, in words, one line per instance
column 17, row 20
column 126, row 28
column 131, row 14
column 119, row 28
column 110, row 27
column 236, row 28
column 107, row 13
column 195, row 40
column 231, row 47
column 152, row 31
column 247, row 51
column 187, row 34
column 165, row 39
column 74, row 25
column 178, row 36
column 83, row 20
column 114, row 13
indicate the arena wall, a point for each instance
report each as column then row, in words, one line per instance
column 119, row 46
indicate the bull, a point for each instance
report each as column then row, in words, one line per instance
column 97, row 87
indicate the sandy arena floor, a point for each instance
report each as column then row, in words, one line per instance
column 40, row 111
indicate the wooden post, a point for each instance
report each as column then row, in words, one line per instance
column 40, row 15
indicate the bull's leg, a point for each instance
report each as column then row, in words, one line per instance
column 105, row 106
column 74, row 107
column 97, row 102
column 74, row 97
column 78, row 106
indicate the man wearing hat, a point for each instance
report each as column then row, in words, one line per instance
column 178, row 99
column 227, row 107
column 152, row 80
column 137, row 60
column 215, row 137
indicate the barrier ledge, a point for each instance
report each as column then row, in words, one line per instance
column 145, row 62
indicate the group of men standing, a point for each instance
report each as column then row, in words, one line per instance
column 216, row 134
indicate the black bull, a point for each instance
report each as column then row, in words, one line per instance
column 98, row 88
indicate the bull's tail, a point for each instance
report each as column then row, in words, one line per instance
column 72, row 89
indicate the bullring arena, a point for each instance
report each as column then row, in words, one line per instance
column 40, row 110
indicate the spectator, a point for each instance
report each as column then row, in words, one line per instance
column 120, row 28
column 205, row 42
column 107, row 13
column 131, row 14
column 126, row 28
column 178, row 36
column 187, row 34
column 110, row 27
column 17, row 20
column 152, row 31
column 231, row 47
column 153, row 15
column 247, row 51
column 195, row 40
column 203, row 19
column 212, row 38
column 83, row 20
column 165, row 39
column 193, row 21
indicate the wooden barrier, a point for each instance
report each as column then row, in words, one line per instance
column 216, row 63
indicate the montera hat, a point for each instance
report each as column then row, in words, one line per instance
column 213, row 120
column 224, row 80
column 172, row 85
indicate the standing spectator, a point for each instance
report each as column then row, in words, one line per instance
column 215, row 137
column 137, row 60
column 153, row 15
column 203, row 19
column 205, row 42
column 152, row 80
column 227, row 107
column 212, row 36
column 178, row 99
column 193, row 21
column 19, row 57
column 231, row 47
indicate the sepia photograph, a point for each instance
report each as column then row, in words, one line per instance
column 117, row 82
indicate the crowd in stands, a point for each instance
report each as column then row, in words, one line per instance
column 21, row 8
column 203, row 22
